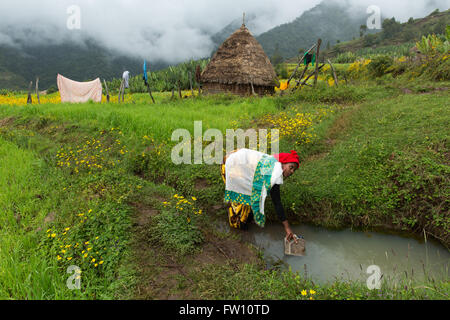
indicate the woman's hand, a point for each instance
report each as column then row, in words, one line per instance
column 289, row 233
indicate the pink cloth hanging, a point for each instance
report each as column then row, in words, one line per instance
column 73, row 91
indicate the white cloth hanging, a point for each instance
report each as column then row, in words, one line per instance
column 126, row 78
column 74, row 91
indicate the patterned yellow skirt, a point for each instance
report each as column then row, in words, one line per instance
column 238, row 214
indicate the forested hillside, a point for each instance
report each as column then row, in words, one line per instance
column 329, row 21
column 394, row 33
column 19, row 66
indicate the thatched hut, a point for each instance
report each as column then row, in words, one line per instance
column 240, row 66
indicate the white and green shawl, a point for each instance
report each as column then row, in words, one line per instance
column 249, row 177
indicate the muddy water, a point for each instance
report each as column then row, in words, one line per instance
column 347, row 254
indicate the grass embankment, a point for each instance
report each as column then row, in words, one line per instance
column 24, row 271
column 367, row 161
column 383, row 163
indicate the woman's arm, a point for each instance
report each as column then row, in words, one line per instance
column 276, row 199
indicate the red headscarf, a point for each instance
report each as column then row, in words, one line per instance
column 288, row 157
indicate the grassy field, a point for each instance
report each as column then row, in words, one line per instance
column 92, row 185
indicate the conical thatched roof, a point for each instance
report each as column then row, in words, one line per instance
column 240, row 60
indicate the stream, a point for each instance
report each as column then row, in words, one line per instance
column 346, row 254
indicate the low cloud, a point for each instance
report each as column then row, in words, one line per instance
column 172, row 30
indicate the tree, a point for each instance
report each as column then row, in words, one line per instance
column 390, row 28
column 440, row 26
column 370, row 39
column 362, row 30
column 276, row 58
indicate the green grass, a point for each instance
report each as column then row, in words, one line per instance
column 249, row 283
column 144, row 118
column 24, row 271
column 378, row 157
column 388, row 163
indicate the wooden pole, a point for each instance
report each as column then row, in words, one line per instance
column 198, row 77
column 150, row 92
column 317, row 61
column 29, row 100
column 107, row 91
column 37, row 90
column 120, row 90
column 190, row 83
column 298, row 64
column 303, row 73
column 312, row 73
column 123, row 92
column 334, row 73
column 179, row 89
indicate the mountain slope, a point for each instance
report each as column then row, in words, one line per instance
column 396, row 33
column 328, row 20
column 19, row 66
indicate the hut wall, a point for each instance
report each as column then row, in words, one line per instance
column 239, row 89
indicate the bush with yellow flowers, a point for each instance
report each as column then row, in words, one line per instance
column 177, row 226
column 72, row 245
column 149, row 158
column 14, row 99
column 184, row 207
column 359, row 69
column 96, row 153
column 295, row 125
column 93, row 241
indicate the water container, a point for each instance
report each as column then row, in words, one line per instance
column 294, row 249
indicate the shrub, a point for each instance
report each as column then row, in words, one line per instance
column 176, row 227
column 370, row 39
column 52, row 89
column 324, row 94
column 380, row 65
column 433, row 44
column 347, row 57
column 282, row 71
column 174, row 232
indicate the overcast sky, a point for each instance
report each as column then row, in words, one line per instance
column 171, row 30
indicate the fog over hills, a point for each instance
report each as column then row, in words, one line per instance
column 118, row 35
